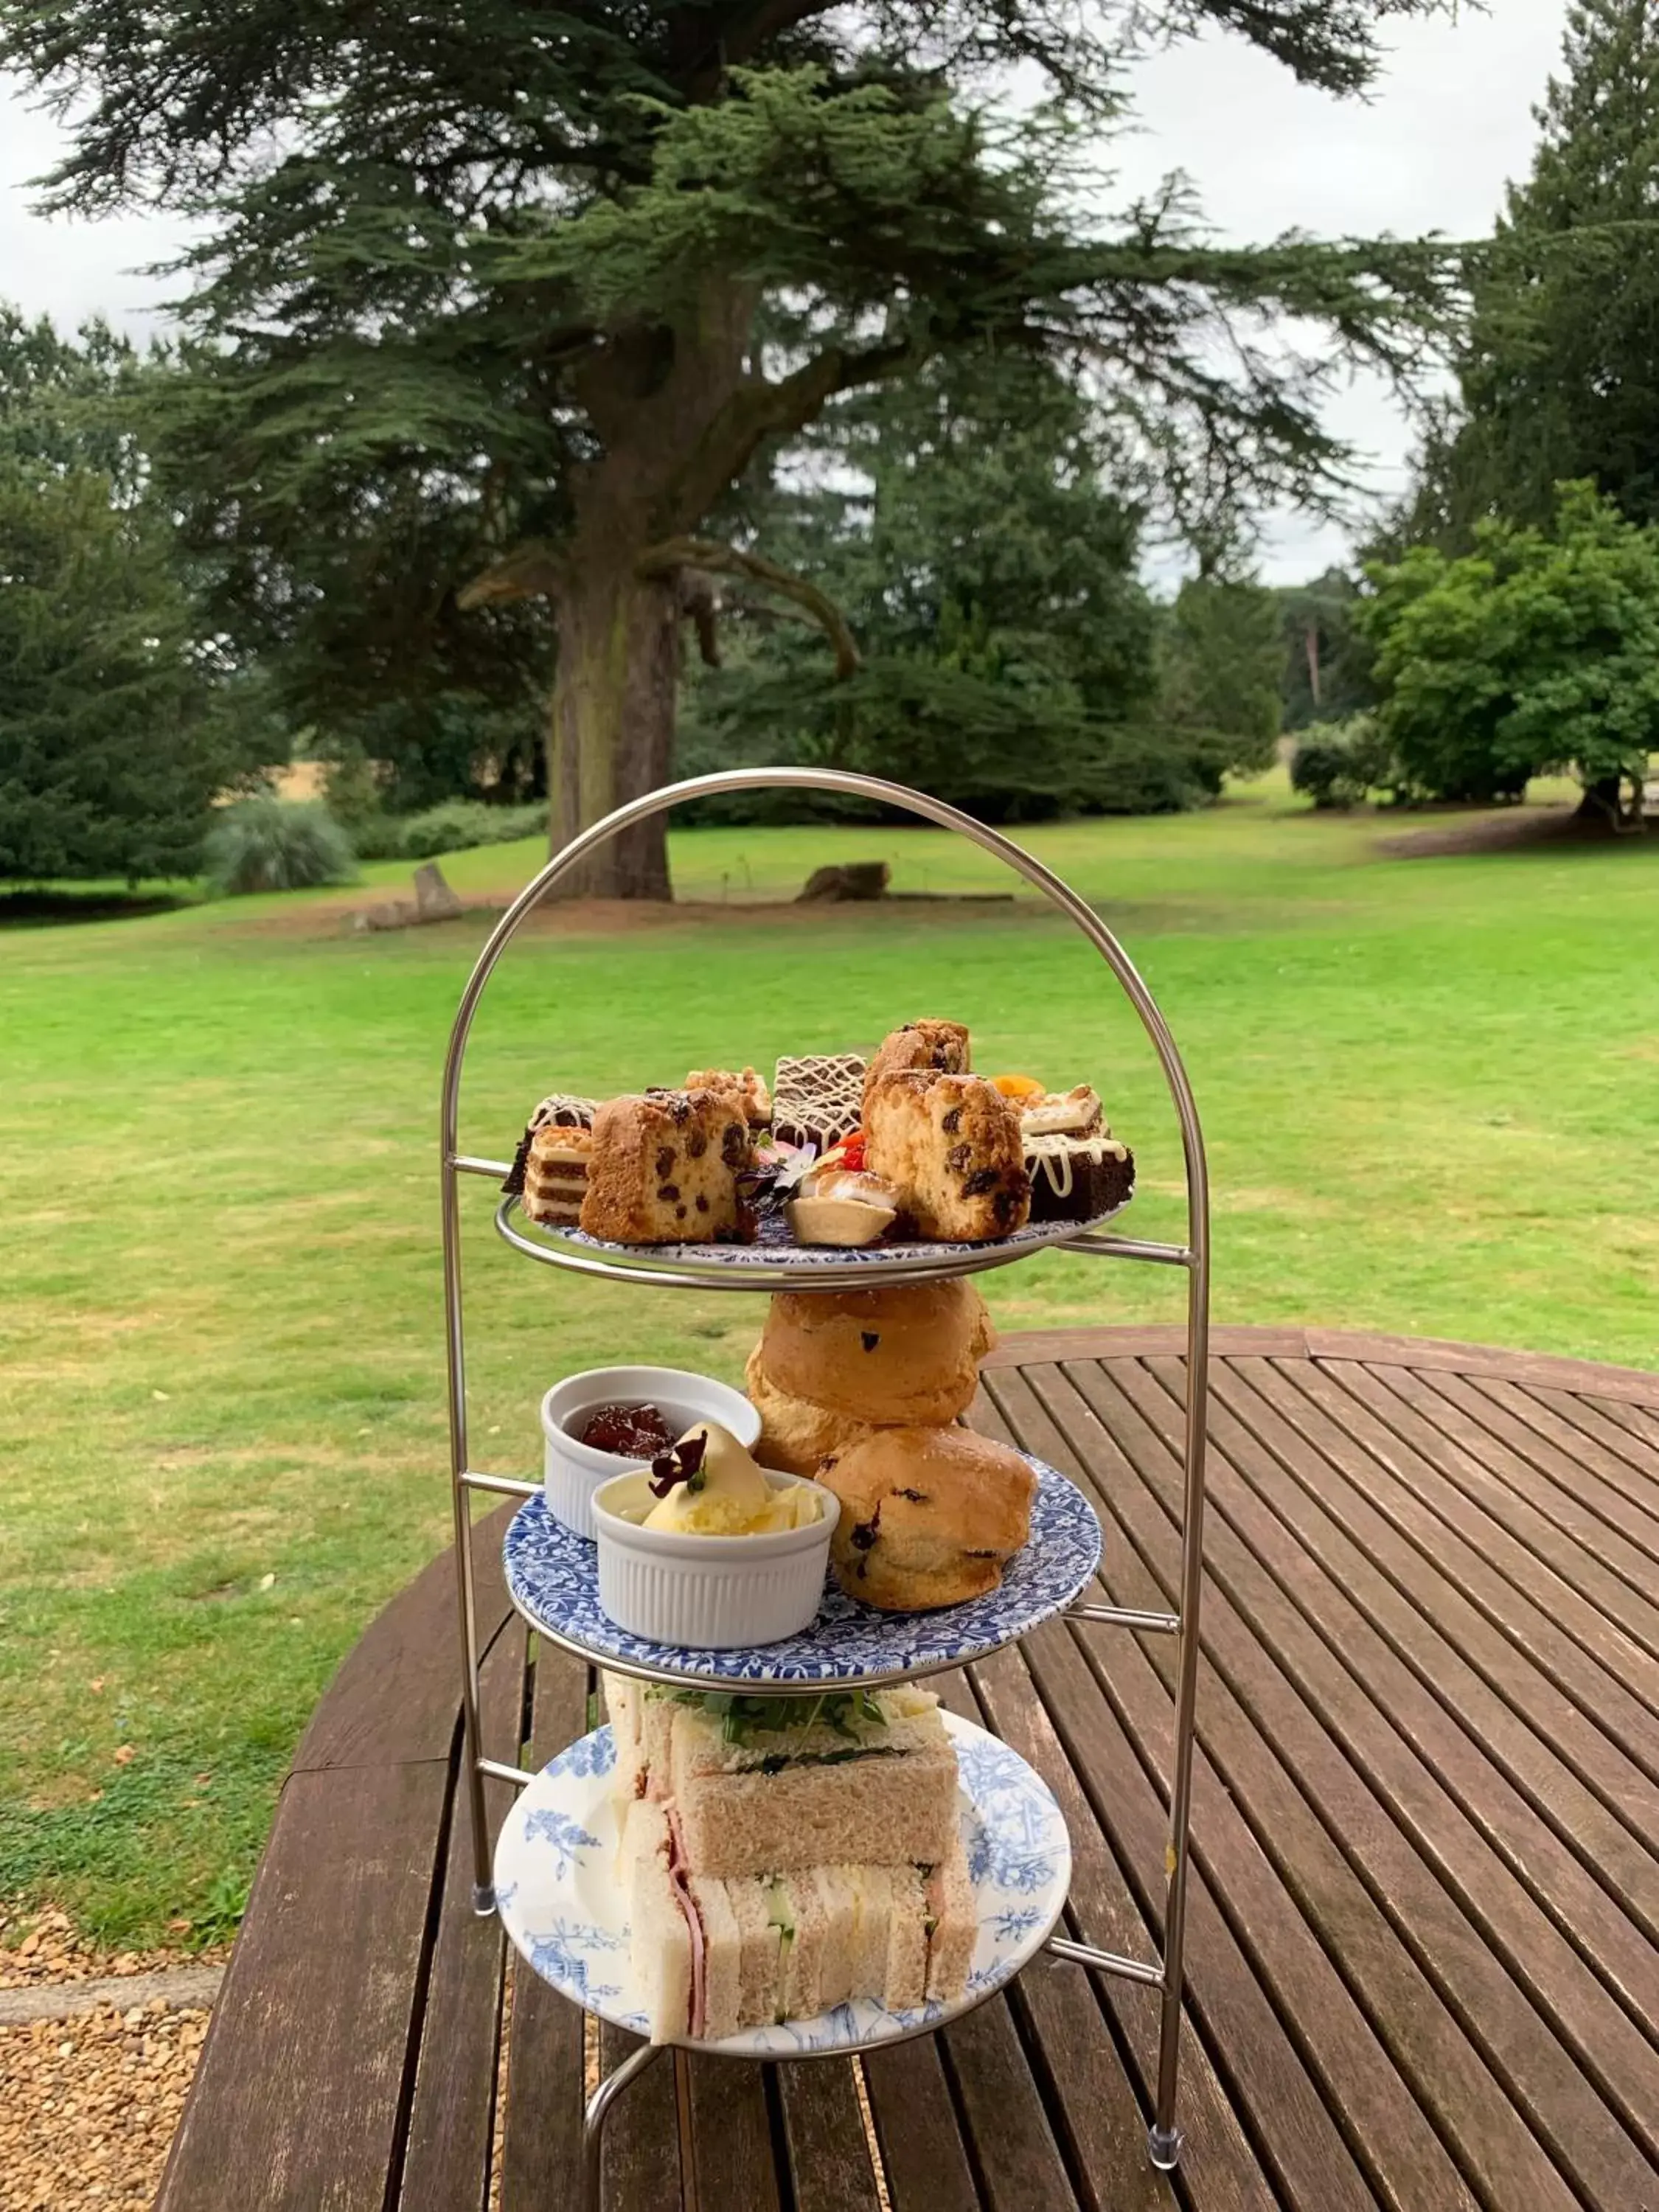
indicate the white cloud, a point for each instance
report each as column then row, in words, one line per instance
column 1431, row 151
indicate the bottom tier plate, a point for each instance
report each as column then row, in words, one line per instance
column 560, row 1902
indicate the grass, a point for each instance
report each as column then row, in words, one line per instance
column 1429, row 1089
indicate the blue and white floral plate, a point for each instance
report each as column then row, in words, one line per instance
column 553, row 1578
column 775, row 1260
column 560, row 1902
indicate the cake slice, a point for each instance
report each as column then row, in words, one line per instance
column 941, row 1047
column 951, row 1145
column 555, row 1174
column 1074, row 1113
column 664, row 1169
column 1076, row 1178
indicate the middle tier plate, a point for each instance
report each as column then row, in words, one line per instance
column 553, row 1578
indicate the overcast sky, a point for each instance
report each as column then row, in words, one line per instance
column 1451, row 122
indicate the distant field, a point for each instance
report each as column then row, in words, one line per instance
column 1431, row 1090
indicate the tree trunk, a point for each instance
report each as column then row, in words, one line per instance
column 611, row 724
column 1603, row 801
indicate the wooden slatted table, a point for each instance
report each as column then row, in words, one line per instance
column 1423, row 1954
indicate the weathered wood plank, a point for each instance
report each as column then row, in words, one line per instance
column 1012, row 2146
column 397, row 1691
column 1512, row 1589
column 1472, row 1982
column 730, row 2133
column 1553, row 1526
column 1092, row 2106
column 1582, row 1430
column 447, row 2161
column 1044, row 1346
column 1641, row 1420
column 1634, row 1385
column 1575, row 1492
column 1310, row 2075
column 1406, row 1606
column 542, row 2140
column 1494, row 1856
column 296, row 2098
column 640, row 2165
column 1502, row 1637
column 829, row 2152
column 922, row 2154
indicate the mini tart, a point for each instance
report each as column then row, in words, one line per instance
column 843, row 1208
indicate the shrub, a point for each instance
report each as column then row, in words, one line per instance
column 1337, row 763
column 462, row 823
column 275, row 844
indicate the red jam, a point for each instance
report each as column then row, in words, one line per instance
column 629, row 1431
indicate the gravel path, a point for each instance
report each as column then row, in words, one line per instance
column 88, row 2107
column 88, row 2104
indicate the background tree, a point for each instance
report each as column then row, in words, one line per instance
column 1559, row 377
column 997, row 640
column 1223, row 669
column 1536, row 652
column 561, row 279
column 1327, row 667
column 116, row 725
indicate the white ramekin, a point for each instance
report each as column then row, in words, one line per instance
column 572, row 1471
column 709, row 1592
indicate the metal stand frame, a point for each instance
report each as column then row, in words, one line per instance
column 1163, row 2137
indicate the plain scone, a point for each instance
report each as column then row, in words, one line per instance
column 664, row 1168
column 929, row 1517
column 907, row 1354
column 952, row 1147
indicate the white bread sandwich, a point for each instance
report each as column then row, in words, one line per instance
column 710, row 1957
column 772, row 1784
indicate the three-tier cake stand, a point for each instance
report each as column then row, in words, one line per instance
column 713, row 1269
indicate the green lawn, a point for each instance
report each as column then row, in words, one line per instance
column 1432, row 1095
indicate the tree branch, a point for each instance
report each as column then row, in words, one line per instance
column 530, row 571
column 760, row 409
column 728, row 560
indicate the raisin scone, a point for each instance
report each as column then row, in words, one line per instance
column 795, row 1434
column 664, row 1169
column 748, row 1089
column 952, row 1147
column 928, row 1516
column 906, row 1354
column 941, row 1047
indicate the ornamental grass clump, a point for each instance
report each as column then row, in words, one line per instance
column 277, row 845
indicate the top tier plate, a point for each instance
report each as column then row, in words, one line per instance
column 775, row 1261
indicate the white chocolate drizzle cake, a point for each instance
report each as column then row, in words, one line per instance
column 817, row 1098
column 1076, row 1178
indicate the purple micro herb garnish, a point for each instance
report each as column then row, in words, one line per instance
column 684, row 1463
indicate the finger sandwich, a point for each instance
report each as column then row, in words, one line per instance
column 766, row 1785
column 710, row 1956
